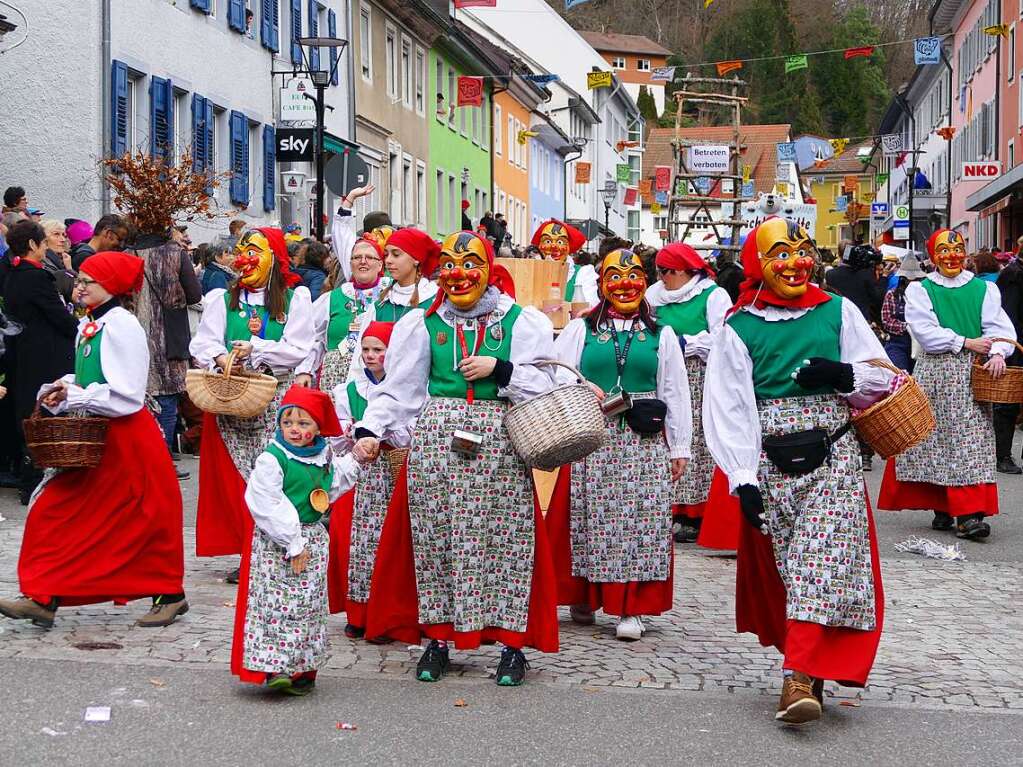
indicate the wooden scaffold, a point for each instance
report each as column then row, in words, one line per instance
column 686, row 202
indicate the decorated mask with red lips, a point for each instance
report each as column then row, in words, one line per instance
column 464, row 269
column 786, row 257
column 253, row 260
column 623, row 281
column 554, row 242
column 947, row 250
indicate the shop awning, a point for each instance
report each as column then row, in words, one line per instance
column 996, row 190
column 332, row 143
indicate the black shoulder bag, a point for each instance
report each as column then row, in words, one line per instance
column 645, row 416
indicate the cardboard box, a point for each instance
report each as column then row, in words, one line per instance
column 533, row 281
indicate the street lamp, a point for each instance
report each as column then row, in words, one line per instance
column 608, row 194
column 321, row 79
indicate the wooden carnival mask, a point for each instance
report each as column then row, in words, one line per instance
column 947, row 249
column 786, row 255
column 464, row 269
column 253, row 260
column 554, row 242
column 380, row 235
column 623, row 281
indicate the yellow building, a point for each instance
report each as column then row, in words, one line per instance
column 844, row 176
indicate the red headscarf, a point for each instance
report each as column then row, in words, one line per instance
column 753, row 291
column 576, row 239
column 315, row 402
column 932, row 241
column 279, row 247
column 682, row 257
column 117, row 272
column 500, row 278
column 379, row 330
column 420, row 246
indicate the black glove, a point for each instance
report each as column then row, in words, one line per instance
column 819, row 372
column 751, row 503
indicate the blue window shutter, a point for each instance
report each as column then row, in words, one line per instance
column 208, row 117
column 270, row 26
column 296, row 32
column 168, row 143
column 269, row 168
column 314, row 30
column 202, row 5
column 332, row 31
column 198, row 133
column 161, row 119
column 118, row 109
column 239, row 159
column 236, row 15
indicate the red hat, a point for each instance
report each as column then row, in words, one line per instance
column 683, row 257
column 752, row 290
column 117, row 272
column 499, row 276
column 380, row 331
column 316, row 403
column 465, row 205
column 364, row 240
column 576, row 239
column 419, row 245
column 279, row 247
column 932, row 241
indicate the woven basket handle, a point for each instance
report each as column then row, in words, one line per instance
column 549, row 363
column 231, row 356
column 1008, row 341
column 887, row 366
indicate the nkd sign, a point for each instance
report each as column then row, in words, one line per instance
column 982, row 170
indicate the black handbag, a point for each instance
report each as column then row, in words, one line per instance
column 803, row 451
column 646, row 416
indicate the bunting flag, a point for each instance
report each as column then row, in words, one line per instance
column 541, row 79
column 470, row 91
column 997, row 30
column 662, row 74
column 475, row 3
column 851, row 183
column 662, row 198
column 646, row 187
column 747, row 172
column 947, row 132
column 662, row 178
column 630, row 195
column 795, row 63
column 570, row 4
column 525, row 135
column 582, row 172
column 881, row 179
column 621, row 146
column 706, row 4
column 655, row 208
column 623, row 172
column 865, row 51
column 838, row 145
column 927, row 50
column 724, row 67
column 598, row 80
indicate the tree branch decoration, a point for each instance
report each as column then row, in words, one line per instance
column 154, row 192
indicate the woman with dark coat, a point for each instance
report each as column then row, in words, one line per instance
column 44, row 351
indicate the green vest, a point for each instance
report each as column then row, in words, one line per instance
column 570, row 285
column 958, row 309
column 356, row 402
column 448, row 382
column 300, row 479
column 388, row 312
column 88, row 367
column 237, row 327
column 598, row 360
column 342, row 315
column 779, row 348
column 687, row 317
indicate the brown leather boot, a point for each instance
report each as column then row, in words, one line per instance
column 798, row 705
column 160, row 615
column 25, row 609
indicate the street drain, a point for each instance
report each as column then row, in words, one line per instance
column 97, row 646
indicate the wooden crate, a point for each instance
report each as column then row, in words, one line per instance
column 533, row 279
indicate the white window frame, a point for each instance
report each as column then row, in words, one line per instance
column 366, row 42
column 421, row 201
column 452, row 98
column 618, row 62
column 408, row 202
column 438, row 74
column 498, row 117
column 643, row 65
column 454, row 209
column 420, row 95
column 131, row 129
column 391, row 64
column 1012, row 52
column 407, row 62
column 182, row 123
column 476, row 124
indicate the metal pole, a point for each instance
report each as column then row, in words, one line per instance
column 607, row 219
column 318, row 153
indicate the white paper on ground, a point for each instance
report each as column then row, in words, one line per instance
column 97, row 714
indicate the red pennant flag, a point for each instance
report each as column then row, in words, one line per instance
column 475, row 3
column 866, row 51
column 630, row 195
column 662, row 178
column 470, row 91
column 724, row 67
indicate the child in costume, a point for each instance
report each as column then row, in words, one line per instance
column 280, row 632
column 358, row 517
column 557, row 241
column 463, row 557
column 688, row 300
column 610, row 517
column 952, row 313
column 112, row 532
column 781, row 377
column 268, row 324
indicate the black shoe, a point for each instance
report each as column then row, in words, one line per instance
column 182, row 474
column 942, row 521
column 233, row 575
column 511, row 671
column 973, row 528
column 1008, row 466
column 678, row 531
column 354, row 632
column 434, row 663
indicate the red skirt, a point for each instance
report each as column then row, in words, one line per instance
column 959, row 501
column 337, row 562
column 844, row 655
column 109, row 533
column 621, row 599
column 721, row 522
column 393, row 609
column 689, row 510
column 223, row 524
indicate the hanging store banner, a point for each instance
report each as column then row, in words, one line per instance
column 709, row 159
column 295, row 107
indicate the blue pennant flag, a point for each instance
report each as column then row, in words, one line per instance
column 787, row 152
column 541, row 79
column 927, row 50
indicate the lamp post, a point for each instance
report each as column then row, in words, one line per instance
column 321, row 79
column 608, row 193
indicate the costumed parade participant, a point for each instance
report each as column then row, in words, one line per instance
column 688, row 300
column 951, row 313
column 463, row 555
column 112, row 532
column 610, row 517
column 557, row 241
column 781, row 377
column 267, row 323
column 280, row 629
column 357, row 519
column 355, row 284
column 406, row 256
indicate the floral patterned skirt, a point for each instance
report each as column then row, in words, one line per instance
column 245, row 438
column 335, row 365
column 818, row 521
column 620, row 518
column 372, row 495
column 472, row 520
column 961, row 449
column 693, row 486
column 286, row 614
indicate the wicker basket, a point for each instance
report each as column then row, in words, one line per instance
column 395, row 460
column 900, row 421
column 563, row 425
column 65, row 442
column 1006, row 390
column 244, row 394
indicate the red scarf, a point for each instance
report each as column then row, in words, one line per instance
column 754, row 292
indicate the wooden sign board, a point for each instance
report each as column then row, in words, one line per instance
column 533, row 280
